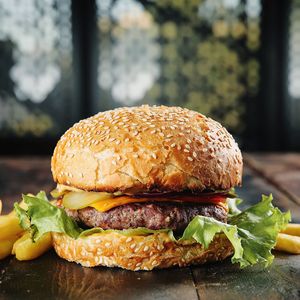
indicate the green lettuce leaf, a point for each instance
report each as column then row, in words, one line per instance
column 258, row 227
column 45, row 217
column 252, row 232
column 233, row 206
column 127, row 232
column 203, row 230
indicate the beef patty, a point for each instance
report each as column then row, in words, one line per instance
column 158, row 215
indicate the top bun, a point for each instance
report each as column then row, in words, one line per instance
column 147, row 149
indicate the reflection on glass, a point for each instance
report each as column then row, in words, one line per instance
column 129, row 52
column 197, row 54
column 33, row 29
column 35, row 48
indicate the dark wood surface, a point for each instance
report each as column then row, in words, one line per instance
column 52, row 278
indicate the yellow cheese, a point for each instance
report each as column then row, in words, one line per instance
column 105, row 205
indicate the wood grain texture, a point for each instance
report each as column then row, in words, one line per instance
column 52, row 278
column 254, row 186
column 227, row 281
column 281, row 170
column 21, row 176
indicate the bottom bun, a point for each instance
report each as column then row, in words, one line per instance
column 135, row 253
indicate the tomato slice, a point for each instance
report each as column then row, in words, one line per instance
column 188, row 198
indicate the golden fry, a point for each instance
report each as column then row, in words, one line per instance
column 26, row 249
column 6, row 247
column 288, row 243
column 0, row 207
column 22, row 204
column 292, row 229
column 9, row 227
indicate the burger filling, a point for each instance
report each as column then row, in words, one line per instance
column 194, row 218
column 151, row 215
column 153, row 211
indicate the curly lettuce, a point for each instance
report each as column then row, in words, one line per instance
column 252, row 232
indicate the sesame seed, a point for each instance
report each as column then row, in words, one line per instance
column 186, row 150
column 128, row 240
column 154, row 263
column 127, row 140
column 107, row 245
column 114, row 162
column 187, row 146
column 153, row 131
column 118, row 142
column 189, row 158
column 189, row 141
column 173, row 145
column 160, row 247
column 194, row 154
column 178, row 147
column 132, row 246
column 154, row 155
column 111, row 139
column 135, row 155
column 146, row 248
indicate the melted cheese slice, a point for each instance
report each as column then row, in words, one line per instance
column 105, row 205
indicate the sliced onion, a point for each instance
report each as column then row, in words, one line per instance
column 78, row 200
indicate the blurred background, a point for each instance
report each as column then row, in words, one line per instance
column 237, row 61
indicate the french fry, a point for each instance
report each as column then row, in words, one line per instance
column 0, row 207
column 22, row 204
column 9, row 227
column 292, row 229
column 25, row 249
column 288, row 243
column 6, row 247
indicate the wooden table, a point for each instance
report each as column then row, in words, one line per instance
column 51, row 277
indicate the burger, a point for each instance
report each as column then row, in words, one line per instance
column 150, row 187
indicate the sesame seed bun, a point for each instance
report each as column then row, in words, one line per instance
column 138, row 252
column 144, row 149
